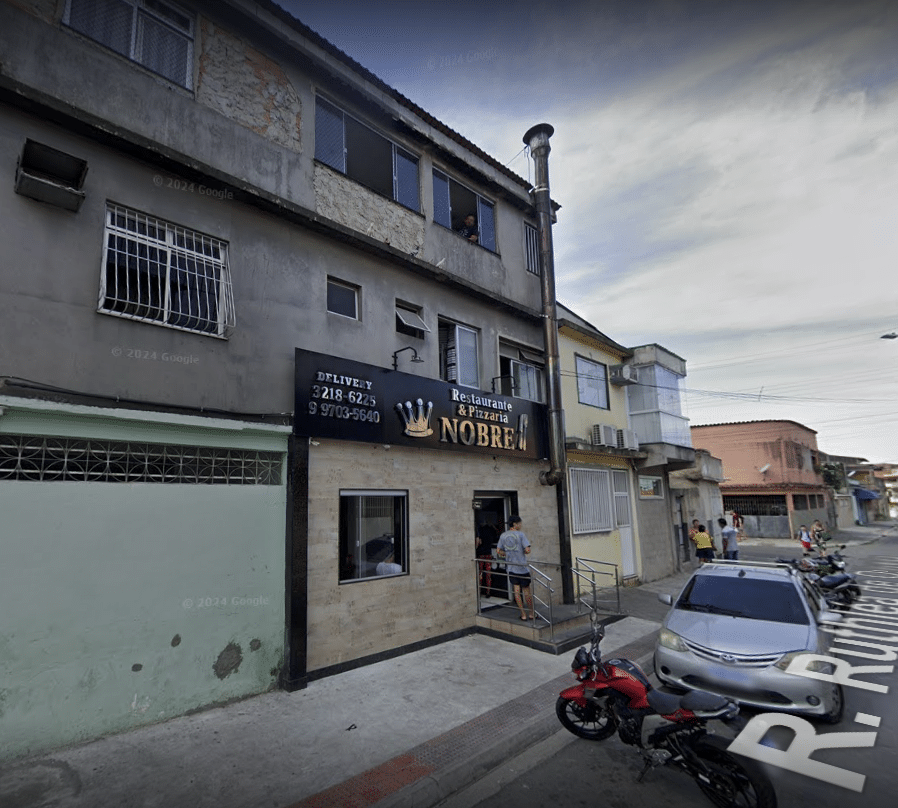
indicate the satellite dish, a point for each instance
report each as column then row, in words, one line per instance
column 764, row 469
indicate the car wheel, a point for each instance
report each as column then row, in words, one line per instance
column 837, row 704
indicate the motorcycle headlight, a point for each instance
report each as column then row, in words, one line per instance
column 817, row 666
column 674, row 642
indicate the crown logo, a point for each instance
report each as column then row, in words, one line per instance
column 417, row 419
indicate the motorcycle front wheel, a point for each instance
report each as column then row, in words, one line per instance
column 593, row 722
column 732, row 782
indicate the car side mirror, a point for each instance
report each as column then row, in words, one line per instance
column 668, row 599
column 831, row 617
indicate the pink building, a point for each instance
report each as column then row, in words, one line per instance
column 770, row 474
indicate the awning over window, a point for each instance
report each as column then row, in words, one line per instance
column 863, row 493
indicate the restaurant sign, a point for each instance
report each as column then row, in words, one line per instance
column 347, row 400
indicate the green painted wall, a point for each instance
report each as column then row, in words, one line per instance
column 130, row 603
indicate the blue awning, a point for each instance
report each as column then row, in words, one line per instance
column 863, row 493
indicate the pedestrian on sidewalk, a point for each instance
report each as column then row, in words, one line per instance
column 804, row 536
column 514, row 547
column 704, row 545
column 729, row 538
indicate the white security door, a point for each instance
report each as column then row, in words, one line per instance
column 621, row 486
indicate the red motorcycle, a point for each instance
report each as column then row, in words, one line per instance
column 672, row 730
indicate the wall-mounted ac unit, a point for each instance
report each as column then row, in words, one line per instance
column 604, row 435
column 624, row 374
column 626, row 439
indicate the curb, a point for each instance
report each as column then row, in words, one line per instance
column 443, row 783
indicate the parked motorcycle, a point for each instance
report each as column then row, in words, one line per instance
column 669, row 730
column 839, row 588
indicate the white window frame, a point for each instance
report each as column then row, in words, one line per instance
column 531, row 248
column 331, row 281
column 452, row 367
column 592, row 507
column 593, row 379
column 397, row 154
column 132, row 258
column 145, row 13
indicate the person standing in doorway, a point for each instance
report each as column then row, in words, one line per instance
column 729, row 537
column 514, row 547
column 486, row 541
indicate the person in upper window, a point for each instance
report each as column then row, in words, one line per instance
column 469, row 228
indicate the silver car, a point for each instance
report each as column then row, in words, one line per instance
column 735, row 628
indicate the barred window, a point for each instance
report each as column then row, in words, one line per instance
column 758, row 505
column 531, row 248
column 51, row 459
column 154, row 33
column 590, row 501
column 162, row 273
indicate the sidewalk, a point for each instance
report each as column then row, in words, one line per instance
column 409, row 731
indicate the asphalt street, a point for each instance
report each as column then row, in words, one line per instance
column 565, row 770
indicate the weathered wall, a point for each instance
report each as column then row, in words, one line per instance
column 246, row 86
column 356, row 207
column 349, row 621
column 745, row 448
column 131, row 603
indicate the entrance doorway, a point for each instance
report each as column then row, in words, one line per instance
column 491, row 512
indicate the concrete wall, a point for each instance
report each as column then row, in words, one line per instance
column 130, row 603
column 279, row 277
column 439, row 595
column 785, row 447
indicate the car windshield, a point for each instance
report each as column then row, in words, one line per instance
column 755, row 599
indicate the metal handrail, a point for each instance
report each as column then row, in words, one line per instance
column 587, row 563
column 542, row 579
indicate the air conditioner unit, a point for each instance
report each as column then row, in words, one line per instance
column 624, row 374
column 631, row 441
column 604, row 435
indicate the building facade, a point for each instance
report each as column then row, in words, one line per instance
column 263, row 390
column 600, row 450
column 772, row 475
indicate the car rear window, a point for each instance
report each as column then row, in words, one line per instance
column 754, row 599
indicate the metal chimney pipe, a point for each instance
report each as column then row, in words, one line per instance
column 537, row 138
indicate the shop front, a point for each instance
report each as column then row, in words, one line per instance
column 397, row 476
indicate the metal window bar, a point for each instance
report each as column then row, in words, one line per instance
column 531, row 245
column 166, row 274
column 44, row 459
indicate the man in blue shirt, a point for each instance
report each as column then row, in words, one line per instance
column 514, row 547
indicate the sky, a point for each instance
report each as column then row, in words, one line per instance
column 726, row 171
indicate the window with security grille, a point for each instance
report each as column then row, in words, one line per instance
column 38, row 458
column 356, row 150
column 531, row 248
column 154, row 33
column 591, row 508
column 459, row 354
column 453, row 204
column 756, row 505
column 162, row 273
column 373, row 534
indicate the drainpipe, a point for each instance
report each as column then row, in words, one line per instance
column 537, row 138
